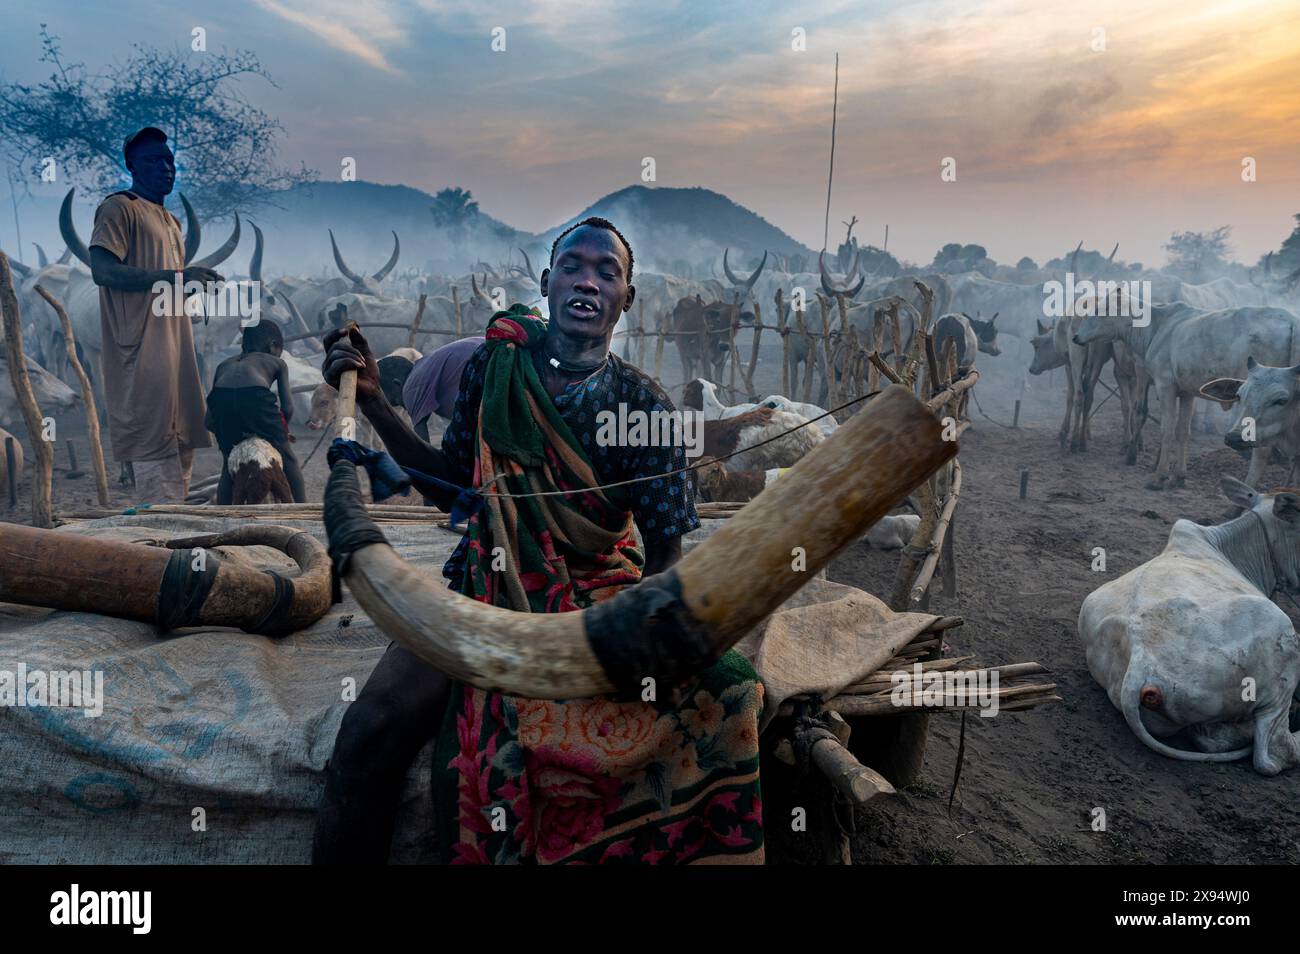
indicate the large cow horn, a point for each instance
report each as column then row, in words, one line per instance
column 23, row 270
column 342, row 265
column 1074, row 257
column 480, row 293
column 528, row 263
column 193, row 230
column 746, row 283
column 828, row 284
column 65, row 257
column 222, row 253
column 69, row 230
column 255, row 263
column 380, row 275
column 41, row 260
column 160, row 584
column 671, row 625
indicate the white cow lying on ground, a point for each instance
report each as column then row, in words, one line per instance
column 1190, row 639
column 701, row 394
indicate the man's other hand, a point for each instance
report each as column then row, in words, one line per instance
column 349, row 350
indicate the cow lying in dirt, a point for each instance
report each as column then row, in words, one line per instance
column 1190, row 640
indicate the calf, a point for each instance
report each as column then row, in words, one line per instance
column 257, row 472
column 1191, row 640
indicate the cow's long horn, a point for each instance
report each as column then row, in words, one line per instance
column 193, row 230
column 65, row 257
column 224, row 252
column 380, row 275
column 162, row 585
column 41, row 260
column 1074, row 257
column 746, row 283
column 529, row 265
column 301, row 322
column 23, row 271
column 480, row 293
column 255, row 263
column 828, row 284
column 69, row 231
column 671, row 625
column 348, row 273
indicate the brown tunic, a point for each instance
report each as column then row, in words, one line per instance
column 151, row 379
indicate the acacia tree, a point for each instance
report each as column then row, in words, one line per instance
column 225, row 147
column 453, row 208
column 1194, row 253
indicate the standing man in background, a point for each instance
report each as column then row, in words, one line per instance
column 151, row 378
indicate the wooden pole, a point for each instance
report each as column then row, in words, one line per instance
column 87, row 395
column 11, row 462
column 347, row 406
column 753, row 351
column 784, row 332
column 1015, row 420
column 830, row 176
column 659, row 349
column 812, row 357
column 832, row 392
column 43, row 464
column 1024, row 483
column 455, row 307
column 415, row 328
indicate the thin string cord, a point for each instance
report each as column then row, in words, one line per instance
column 671, row 473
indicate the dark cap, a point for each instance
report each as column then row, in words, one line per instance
column 148, row 134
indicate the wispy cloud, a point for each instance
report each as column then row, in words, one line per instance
column 359, row 28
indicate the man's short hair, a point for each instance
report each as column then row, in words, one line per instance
column 261, row 336
column 596, row 221
column 147, row 134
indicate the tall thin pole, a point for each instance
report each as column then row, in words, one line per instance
column 886, row 248
column 13, row 198
column 835, row 104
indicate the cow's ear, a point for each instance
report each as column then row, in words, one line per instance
column 1223, row 390
column 1239, row 493
column 1251, row 363
column 1286, row 506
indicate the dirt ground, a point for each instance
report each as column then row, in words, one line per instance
column 1030, row 780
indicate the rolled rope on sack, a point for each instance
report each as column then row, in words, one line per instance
column 671, row 625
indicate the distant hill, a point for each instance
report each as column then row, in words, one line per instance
column 665, row 225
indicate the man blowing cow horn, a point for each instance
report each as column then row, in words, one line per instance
column 545, row 610
column 527, row 409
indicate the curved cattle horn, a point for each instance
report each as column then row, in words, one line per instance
column 65, row 257
column 69, row 231
column 223, row 253
column 348, row 273
column 1074, row 257
column 301, row 322
column 828, row 285
column 1111, row 257
column 255, row 263
column 528, row 263
column 746, row 283
column 41, row 260
column 156, row 584
column 380, row 275
column 671, row 625
column 479, row 293
column 193, row 231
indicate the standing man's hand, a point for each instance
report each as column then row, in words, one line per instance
column 345, row 351
column 202, row 275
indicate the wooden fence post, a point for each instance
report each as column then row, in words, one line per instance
column 87, row 396
column 43, row 464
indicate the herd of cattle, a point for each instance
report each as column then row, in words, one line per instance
column 1190, row 646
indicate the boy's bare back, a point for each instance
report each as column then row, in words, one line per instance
column 255, row 369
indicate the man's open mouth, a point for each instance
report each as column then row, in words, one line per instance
column 582, row 307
